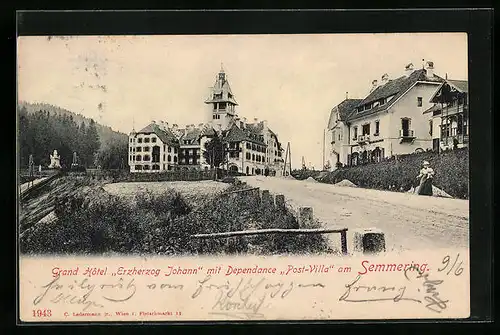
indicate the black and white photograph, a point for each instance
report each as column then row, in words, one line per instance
column 286, row 160
column 218, row 144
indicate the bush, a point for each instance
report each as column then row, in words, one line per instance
column 451, row 172
column 99, row 223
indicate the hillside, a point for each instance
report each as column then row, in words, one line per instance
column 106, row 134
column 44, row 128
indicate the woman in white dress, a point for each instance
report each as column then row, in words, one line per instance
column 425, row 176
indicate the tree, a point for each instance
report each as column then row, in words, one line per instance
column 214, row 152
column 92, row 143
column 113, row 155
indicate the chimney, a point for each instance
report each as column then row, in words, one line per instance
column 264, row 124
column 153, row 121
column 200, row 125
column 346, row 95
column 255, row 120
column 385, row 78
column 429, row 69
column 408, row 69
column 175, row 126
column 374, row 85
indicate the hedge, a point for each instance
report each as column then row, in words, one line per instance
column 400, row 172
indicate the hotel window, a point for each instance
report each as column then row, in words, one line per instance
column 130, row 140
column 163, row 157
column 222, row 105
column 419, row 101
column 430, row 127
column 175, row 150
column 146, row 140
column 169, row 149
column 146, row 167
column 146, row 158
column 377, row 127
column 139, row 140
column 146, row 149
column 175, row 159
column 169, row 158
column 154, row 141
column 139, row 149
column 138, row 158
column 355, row 134
column 248, row 155
column 138, row 167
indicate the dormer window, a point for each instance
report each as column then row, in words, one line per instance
column 218, row 96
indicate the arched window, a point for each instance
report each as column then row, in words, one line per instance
column 138, row 158
column 169, row 158
column 248, row 170
column 175, row 159
column 146, row 158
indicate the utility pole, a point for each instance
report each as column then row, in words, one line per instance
column 324, row 139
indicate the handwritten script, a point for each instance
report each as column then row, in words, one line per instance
column 242, row 298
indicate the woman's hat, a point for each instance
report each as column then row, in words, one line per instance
column 425, row 163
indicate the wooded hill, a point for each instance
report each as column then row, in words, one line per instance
column 44, row 127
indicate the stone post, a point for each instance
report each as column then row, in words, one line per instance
column 279, row 201
column 266, row 199
column 369, row 241
column 305, row 216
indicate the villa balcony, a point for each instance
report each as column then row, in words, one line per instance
column 362, row 139
column 406, row 135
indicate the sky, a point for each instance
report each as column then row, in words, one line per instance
column 292, row 81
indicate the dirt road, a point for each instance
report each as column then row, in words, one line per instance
column 409, row 221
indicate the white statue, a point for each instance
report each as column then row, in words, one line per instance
column 55, row 161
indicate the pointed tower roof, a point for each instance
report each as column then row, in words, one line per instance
column 221, row 91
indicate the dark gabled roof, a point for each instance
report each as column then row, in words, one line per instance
column 165, row 135
column 208, row 131
column 450, row 90
column 192, row 136
column 249, row 134
column 461, row 85
column 345, row 108
column 395, row 88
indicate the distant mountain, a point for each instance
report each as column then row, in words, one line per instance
column 106, row 134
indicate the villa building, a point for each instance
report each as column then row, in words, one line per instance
column 388, row 121
column 449, row 116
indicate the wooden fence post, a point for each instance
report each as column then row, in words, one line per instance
column 343, row 241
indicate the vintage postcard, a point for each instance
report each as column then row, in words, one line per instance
column 243, row 177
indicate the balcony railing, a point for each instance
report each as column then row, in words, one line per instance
column 406, row 133
column 363, row 138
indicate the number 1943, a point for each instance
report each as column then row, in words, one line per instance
column 42, row 313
